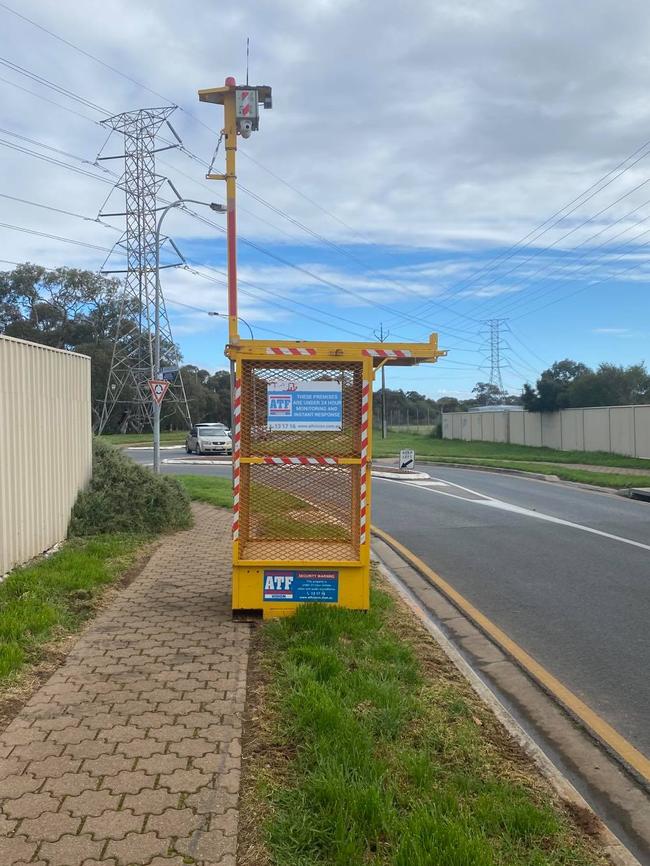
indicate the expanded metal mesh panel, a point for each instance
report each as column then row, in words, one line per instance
column 299, row 512
column 259, row 440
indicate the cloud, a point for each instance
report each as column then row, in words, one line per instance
column 613, row 332
column 424, row 144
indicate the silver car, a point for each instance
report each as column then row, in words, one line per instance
column 208, row 439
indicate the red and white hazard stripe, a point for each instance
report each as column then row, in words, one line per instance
column 289, row 350
column 363, row 468
column 387, row 353
column 236, row 462
column 301, row 461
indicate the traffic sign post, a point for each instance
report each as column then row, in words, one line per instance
column 406, row 458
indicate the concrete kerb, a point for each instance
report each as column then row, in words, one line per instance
column 538, row 476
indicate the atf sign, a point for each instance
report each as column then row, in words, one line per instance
column 280, row 405
column 304, row 405
column 298, row 585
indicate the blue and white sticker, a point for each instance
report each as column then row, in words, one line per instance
column 299, row 585
column 304, row 405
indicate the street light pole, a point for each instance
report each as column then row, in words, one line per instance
column 239, row 318
column 155, row 373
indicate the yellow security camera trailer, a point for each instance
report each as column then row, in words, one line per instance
column 301, row 471
column 302, row 428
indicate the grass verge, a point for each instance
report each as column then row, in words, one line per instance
column 613, row 480
column 365, row 747
column 126, row 439
column 427, row 446
column 277, row 513
column 45, row 601
column 208, row 488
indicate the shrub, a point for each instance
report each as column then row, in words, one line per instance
column 125, row 497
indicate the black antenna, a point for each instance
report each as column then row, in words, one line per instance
column 248, row 42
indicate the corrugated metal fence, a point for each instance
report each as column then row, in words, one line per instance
column 45, row 445
column 616, row 429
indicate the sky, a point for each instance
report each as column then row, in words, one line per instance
column 425, row 167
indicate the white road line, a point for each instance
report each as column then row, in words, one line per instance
column 500, row 505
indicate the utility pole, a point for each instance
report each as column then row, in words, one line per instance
column 241, row 117
column 157, row 310
column 382, row 337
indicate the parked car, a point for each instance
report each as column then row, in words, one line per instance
column 208, row 439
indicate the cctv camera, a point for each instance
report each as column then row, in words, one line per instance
column 245, row 128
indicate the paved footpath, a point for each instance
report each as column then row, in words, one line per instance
column 130, row 754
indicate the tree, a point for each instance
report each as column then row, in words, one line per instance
column 611, row 385
column 553, row 386
column 486, row 393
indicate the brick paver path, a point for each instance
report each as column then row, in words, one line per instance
column 130, row 754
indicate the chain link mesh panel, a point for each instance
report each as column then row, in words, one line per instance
column 299, row 512
column 259, row 440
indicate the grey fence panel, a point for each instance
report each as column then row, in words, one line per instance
column 615, row 429
column 45, row 445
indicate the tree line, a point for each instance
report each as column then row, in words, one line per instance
column 570, row 384
column 79, row 310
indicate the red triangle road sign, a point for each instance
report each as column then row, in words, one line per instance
column 158, row 390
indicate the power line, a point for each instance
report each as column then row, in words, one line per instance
column 53, row 161
column 82, row 51
column 575, row 229
column 53, row 237
column 530, row 237
column 573, row 271
column 46, row 82
column 544, row 227
column 59, row 210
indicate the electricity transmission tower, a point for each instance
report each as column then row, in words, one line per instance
column 132, row 363
column 496, row 346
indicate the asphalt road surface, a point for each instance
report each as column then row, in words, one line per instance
column 563, row 571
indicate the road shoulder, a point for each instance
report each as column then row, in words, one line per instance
column 599, row 778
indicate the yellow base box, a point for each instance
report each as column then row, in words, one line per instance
column 278, row 589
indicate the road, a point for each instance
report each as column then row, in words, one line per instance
column 527, row 554
column 563, row 571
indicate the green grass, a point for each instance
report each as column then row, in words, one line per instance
column 56, row 595
column 427, row 446
column 278, row 513
column 364, row 761
column 614, row 480
column 208, row 488
column 125, row 439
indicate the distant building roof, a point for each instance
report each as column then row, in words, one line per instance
column 498, row 408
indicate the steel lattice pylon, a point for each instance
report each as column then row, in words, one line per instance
column 132, row 364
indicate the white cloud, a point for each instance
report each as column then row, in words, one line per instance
column 613, row 332
column 448, row 128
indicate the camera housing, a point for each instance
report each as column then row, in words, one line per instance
column 245, row 127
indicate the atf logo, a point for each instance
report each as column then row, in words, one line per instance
column 280, row 405
column 278, row 585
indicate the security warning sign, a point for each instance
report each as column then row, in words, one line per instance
column 304, row 405
column 298, row 585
